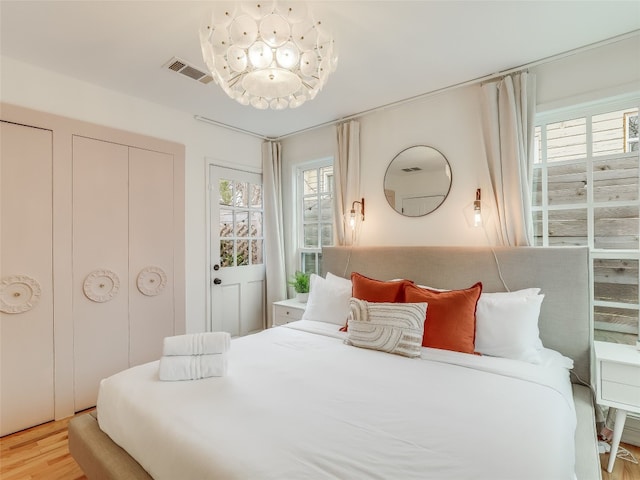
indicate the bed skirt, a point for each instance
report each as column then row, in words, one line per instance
column 100, row 458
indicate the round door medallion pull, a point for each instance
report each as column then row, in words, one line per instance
column 18, row 293
column 101, row 285
column 151, row 281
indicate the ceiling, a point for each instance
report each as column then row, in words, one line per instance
column 388, row 50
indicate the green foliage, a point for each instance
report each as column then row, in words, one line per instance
column 300, row 282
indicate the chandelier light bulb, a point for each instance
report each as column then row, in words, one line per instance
column 268, row 54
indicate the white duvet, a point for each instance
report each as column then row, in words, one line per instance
column 300, row 405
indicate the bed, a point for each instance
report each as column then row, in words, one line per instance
column 300, row 402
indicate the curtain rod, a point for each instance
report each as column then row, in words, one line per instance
column 483, row 79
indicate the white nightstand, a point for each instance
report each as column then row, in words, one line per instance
column 286, row 311
column 617, row 385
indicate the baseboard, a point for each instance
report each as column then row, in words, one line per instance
column 631, row 432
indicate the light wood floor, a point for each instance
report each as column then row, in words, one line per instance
column 42, row 453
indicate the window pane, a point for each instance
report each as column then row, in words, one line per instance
column 567, row 184
column 226, row 253
column 256, row 252
column 226, row 192
column 326, row 179
column 310, row 212
column 256, row 196
column 327, row 208
column 327, row 234
column 567, row 140
column 619, row 325
column 631, row 131
column 256, row 224
column 311, row 235
column 310, row 181
column 616, row 227
column 309, row 262
column 242, row 253
column 536, row 193
column 537, row 145
column 611, row 131
column 241, row 194
column 226, row 222
column 615, row 180
column 537, row 229
column 615, row 280
column 568, row 227
column 242, row 224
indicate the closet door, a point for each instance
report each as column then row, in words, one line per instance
column 100, row 264
column 26, row 289
column 151, row 233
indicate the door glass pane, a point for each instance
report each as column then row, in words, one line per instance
column 537, row 145
column 568, row 227
column 242, row 224
column 242, row 255
column 567, row 140
column 615, row 179
column 617, row 325
column 616, row 227
column 536, row 193
column 226, row 192
column 226, row 253
column 256, row 252
column 309, row 262
column 241, row 194
column 611, row 131
column 256, row 196
column 567, row 184
column 226, row 222
column 256, row 224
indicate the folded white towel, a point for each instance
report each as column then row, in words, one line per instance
column 193, row 367
column 197, row 344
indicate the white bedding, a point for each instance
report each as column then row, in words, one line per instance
column 300, row 404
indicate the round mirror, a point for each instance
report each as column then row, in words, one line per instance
column 417, row 181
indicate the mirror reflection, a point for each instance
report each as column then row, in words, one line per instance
column 417, row 181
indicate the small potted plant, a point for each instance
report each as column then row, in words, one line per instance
column 300, row 283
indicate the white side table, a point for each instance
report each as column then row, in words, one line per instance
column 286, row 311
column 617, row 385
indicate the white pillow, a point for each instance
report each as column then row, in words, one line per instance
column 389, row 327
column 328, row 300
column 342, row 282
column 507, row 326
column 553, row 358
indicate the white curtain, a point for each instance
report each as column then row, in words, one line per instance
column 346, row 171
column 508, row 110
column 276, row 280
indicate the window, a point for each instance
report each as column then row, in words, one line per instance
column 586, row 191
column 315, row 213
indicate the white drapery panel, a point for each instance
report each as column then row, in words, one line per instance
column 508, row 110
column 276, row 279
column 346, row 171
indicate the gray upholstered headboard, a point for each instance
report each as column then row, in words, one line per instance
column 561, row 272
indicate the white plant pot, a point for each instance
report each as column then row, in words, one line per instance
column 302, row 297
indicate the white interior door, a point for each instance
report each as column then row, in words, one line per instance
column 26, row 285
column 237, row 273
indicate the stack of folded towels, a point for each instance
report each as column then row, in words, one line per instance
column 194, row 356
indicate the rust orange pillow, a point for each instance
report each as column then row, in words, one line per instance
column 365, row 288
column 451, row 316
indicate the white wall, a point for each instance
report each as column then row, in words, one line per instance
column 451, row 122
column 43, row 90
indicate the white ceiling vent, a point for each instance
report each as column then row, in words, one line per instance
column 182, row 67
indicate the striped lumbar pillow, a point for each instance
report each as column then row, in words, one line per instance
column 388, row 327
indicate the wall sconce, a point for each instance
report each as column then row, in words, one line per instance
column 353, row 220
column 477, row 210
column 477, row 213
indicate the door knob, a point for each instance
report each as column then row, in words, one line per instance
column 217, row 281
column 216, row 267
